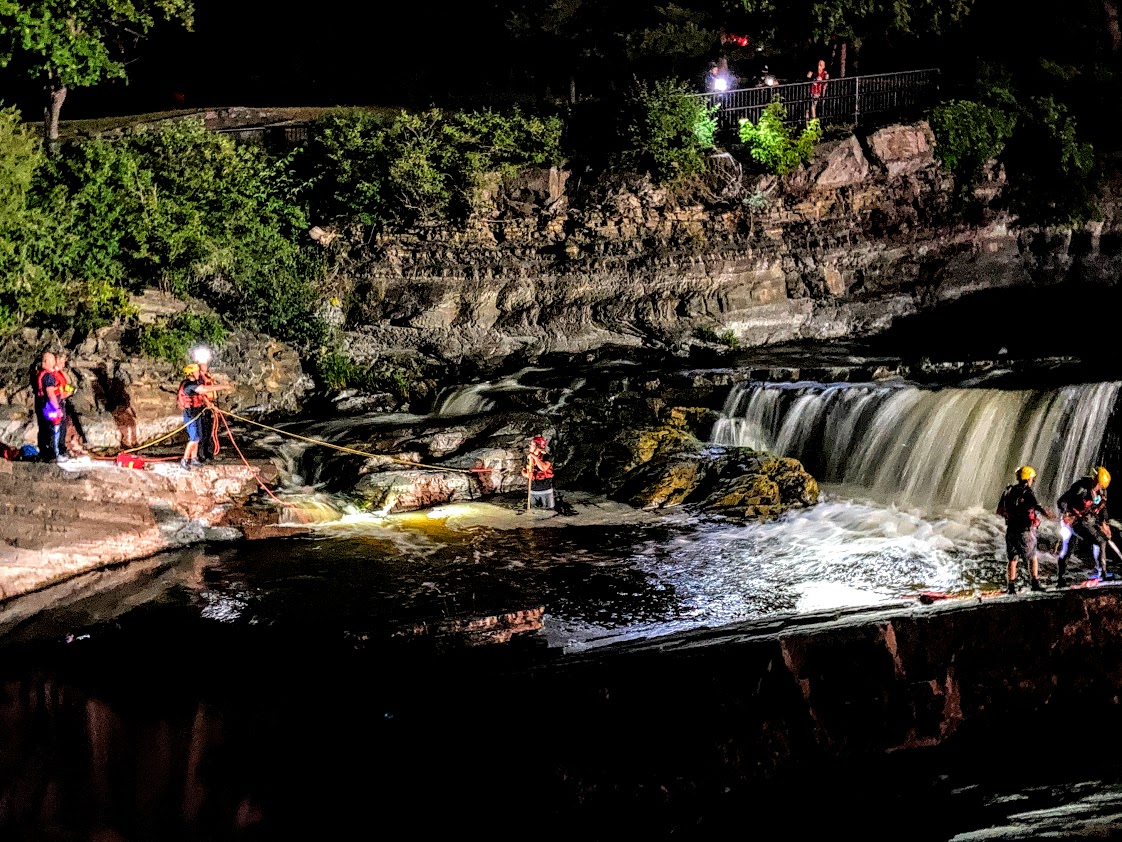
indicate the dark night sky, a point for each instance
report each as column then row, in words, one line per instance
column 261, row 52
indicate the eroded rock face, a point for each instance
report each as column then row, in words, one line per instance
column 903, row 149
column 842, row 164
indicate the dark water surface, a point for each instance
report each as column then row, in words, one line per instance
column 319, row 687
column 446, row 672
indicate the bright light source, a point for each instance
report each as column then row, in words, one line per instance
column 201, row 354
column 721, row 83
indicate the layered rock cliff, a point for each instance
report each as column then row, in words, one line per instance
column 872, row 230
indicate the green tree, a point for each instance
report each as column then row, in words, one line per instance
column 77, row 43
column 968, row 133
column 20, row 158
column 668, row 131
column 852, row 21
column 770, row 143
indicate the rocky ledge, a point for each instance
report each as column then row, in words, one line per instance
column 60, row 521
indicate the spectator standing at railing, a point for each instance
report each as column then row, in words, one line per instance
column 818, row 78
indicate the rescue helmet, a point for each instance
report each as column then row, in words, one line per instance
column 1102, row 476
column 1026, row 473
column 539, row 441
column 193, row 368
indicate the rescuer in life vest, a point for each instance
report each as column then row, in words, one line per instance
column 1083, row 517
column 194, row 396
column 1022, row 513
column 541, row 482
column 50, row 411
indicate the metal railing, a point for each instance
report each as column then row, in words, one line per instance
column 847, row 100
column 288, row 133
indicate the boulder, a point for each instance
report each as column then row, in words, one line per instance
column 843, row 163
column 903, row 149
column 728, row 481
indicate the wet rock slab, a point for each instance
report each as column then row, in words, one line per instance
column 57, row 522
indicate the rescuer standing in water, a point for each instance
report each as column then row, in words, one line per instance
column 1022, row 513
column 540, row 462
column 1083, row 517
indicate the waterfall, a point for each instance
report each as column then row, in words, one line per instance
column 475, row 398
column 465, row 400
column 951, row 447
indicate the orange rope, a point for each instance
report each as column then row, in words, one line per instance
column 256, row 473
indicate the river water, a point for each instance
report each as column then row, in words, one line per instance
column 910, row 475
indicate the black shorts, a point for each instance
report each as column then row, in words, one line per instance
column 1020, row 545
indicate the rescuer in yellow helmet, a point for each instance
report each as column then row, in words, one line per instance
column 1022, row 513
column 1084, row 518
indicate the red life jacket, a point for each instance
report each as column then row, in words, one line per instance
column 186, row 401
column 41, row 390
column 50, row 411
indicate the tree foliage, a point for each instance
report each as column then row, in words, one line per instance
column 856, row 19
column 78, row 43
column 418, row 166
column 20, row 222
column 968, row 134
column 1024, row 117
column 771, row 144
column 668, row 131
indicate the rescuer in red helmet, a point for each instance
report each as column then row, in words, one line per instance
column 541, row 480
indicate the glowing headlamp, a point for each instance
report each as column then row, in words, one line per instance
column 200, row 354
column 721, row 83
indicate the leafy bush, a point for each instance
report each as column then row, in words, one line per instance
column 171, row 339
column 727, row 338
column 967, row 134
column 335, row 371
column 96, row 304
column 667, row 130
column 342, row 166
column 25, row 289
column 417, row 166
column 483, row 142
column 770, row 143
column 1050, row 169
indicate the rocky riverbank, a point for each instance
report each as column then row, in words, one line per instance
column 57, row 522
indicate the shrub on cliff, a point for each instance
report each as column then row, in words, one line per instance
column 667, row 131
column 24, row 286
column 770, row 142
column 419, row 165
column 189, row 209
column 341, row 166
column 968, row 134
column 171, row 339
column 1026, row 117
column 1051, row 170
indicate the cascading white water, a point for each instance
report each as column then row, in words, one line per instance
column 937, row 448
column 478, row 397
column 465, row 400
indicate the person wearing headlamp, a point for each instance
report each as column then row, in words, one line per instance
column 1083, row 517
